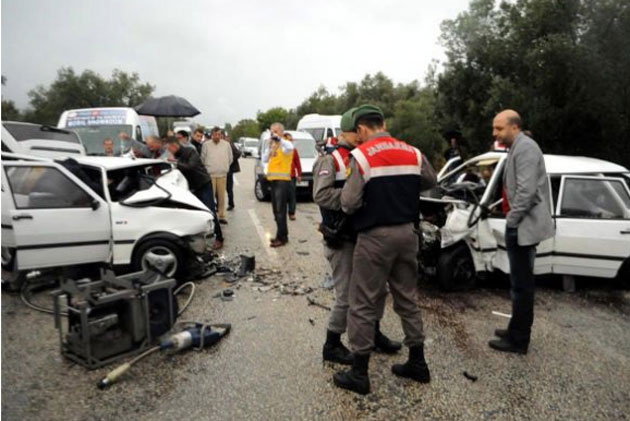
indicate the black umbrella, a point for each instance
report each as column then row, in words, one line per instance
column 167, row 106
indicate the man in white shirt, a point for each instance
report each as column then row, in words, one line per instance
column 216, row 156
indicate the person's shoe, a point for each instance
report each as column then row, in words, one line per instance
column 334, row 351
column 292, row 217
column 505, row 345
column 356, row 379
column 217, row 245
column 277, row 243
column 500, row 333
column 383, row 344
column 223, row 221
column 415, row 368
column 231, row 207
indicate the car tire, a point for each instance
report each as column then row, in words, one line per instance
column 167, row 255
column 456, row 270
column 259, row 191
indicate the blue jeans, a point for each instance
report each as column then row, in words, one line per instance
column 206, row 195
column 523, row 285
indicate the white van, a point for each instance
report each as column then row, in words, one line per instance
column 321, row 127
column 94, row 125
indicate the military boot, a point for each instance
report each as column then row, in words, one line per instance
column 356, row 379
column 383, row 344
column 415, row 368
column 334, row 350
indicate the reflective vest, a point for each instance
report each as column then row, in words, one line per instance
column 336, row 219
column 391, row 171
column 280, row 166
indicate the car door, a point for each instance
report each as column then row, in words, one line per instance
column 592, row 226
column 57, row 220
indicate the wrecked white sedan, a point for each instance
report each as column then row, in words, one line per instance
column 464, row 226
column 97, row 210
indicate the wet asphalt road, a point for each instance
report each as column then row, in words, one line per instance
column 270, row 366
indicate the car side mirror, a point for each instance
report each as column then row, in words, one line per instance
column 95, row 204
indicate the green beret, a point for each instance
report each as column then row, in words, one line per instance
column 347, row 123
column 366, row 110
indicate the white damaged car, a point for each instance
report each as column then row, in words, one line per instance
column 83, row 210
column 463, row 226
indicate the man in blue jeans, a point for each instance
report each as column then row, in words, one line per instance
column 526, row 203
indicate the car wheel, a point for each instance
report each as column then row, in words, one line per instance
column 456, row 270
column 164, row 255
column 259, row 191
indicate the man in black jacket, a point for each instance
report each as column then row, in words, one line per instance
column 189, row 163
column 234, row 168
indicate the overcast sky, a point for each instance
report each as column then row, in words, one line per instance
column 228, row 58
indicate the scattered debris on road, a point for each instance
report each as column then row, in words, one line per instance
column 470, row 377
column 312, row 302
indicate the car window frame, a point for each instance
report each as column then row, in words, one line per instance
column 563, row 179
column 80, row 184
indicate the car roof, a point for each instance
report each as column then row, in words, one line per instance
column 116, row 162
column 565, row 164
column 300, row 134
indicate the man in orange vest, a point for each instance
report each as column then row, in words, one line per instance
column 278, row 155
column 382, row 193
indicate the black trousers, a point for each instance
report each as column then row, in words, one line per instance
column 279, row 203
column 206, row 195
column 230, row 188
column 522, row 288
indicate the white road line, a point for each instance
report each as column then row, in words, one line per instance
column 236, row 183
column 265, row 237
column 496, row 313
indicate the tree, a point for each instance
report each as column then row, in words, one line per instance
column 272, row 115
column 86, row 90
column 245, row 128
column 563, row 64
column 9, row 110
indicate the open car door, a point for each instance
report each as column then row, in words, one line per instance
column 589, row 205
column 57, row 220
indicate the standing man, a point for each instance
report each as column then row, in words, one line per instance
column 188, row 162
column 296, row 175
column 197, row 139
column 329, row 176
column 108, row 146
column 278, row 153
column 526, row 204
column 234, row 168
column 216, row 156
column 382, row 193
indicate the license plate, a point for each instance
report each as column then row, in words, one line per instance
column 302, row 184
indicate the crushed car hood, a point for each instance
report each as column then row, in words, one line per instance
column 169, row 184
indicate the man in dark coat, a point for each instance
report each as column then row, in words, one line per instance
column 234, row 168
column 199, row 183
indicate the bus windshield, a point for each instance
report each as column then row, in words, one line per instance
column 93, row 137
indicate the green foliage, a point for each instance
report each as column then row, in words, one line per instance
column 273, row 115
column 563, row 64
column 10, row 111
column 245, row 128
column 85, row 90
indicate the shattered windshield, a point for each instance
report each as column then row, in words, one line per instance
column 125, row 182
